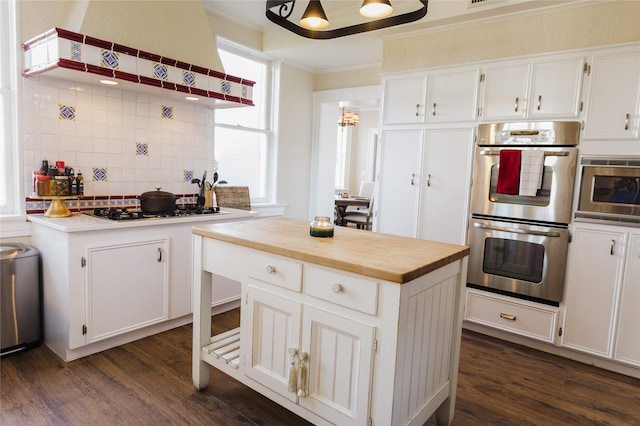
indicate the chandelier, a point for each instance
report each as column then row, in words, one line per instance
column 348, row 118
column 314, row 19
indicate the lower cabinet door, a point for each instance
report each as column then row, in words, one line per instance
column 273, row 327
column 339, row 364
column 628, row 338
column 127, row 287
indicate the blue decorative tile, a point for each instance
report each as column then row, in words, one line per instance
column 160, row 71
column 109, row 59
column 188, row 78
column 167, row 111
column 76, row 51
column 188, row 175
column 225, row 87
column 142, row 148
column 100, row 174
column 66, row 112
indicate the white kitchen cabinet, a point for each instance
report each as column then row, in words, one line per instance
column 595, row 272
column 627, row 348
column 541, row 89
column 124, row 302
column 452, row 96
column 614, row 98
column 446, row 185
column 400, row 166
column 403, row 99
column 424, row 183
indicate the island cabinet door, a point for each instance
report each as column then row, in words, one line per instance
column 338, row 359
column 273, row 328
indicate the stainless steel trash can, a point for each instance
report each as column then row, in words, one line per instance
column 20, row 303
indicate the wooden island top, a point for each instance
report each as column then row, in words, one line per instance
column 383, row 256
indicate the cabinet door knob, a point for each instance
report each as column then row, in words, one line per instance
column 517, row 101
column 626, row 121
column 539, row 102
column 271, row 269
column 413, row 177
column 159, row 254
column 337, row 288
column 428, row 180
column 434, row 109
column 613, row 244
column 417, row 110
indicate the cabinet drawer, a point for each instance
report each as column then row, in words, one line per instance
column 276, row 270
column 531, row 321
column 352, row 292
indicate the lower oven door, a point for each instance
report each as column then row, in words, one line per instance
column 519, row 259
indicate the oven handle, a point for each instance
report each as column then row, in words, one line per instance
column 546, row 153
column 552, row 234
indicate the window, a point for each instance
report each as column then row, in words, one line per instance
column 342, row 158
column 243, row 140
column 10, row 178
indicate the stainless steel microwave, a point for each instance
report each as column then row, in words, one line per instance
column 610, row 190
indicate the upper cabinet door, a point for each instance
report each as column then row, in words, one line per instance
column 614, row 101
column 505, row 92
column 556, row 88
column 452, row 96
column 403, row 99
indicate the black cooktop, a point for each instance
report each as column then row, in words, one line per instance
column 113, row 213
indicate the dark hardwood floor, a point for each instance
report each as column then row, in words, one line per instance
column 148, row 382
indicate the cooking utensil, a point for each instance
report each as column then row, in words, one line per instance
column 157, row 201
column 201, row 199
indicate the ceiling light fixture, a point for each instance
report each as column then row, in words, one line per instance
column 348, row 118
column 279, row 12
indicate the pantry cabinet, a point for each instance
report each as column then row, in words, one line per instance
column 614, row 98
column 136, row 297
column 541, row 89
column 424, row 183
column 602, row 293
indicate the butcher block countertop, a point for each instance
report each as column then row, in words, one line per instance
column 382, row 256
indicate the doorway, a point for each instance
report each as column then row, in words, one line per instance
column 327, row 108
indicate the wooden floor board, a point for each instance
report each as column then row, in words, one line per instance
column 148, row 382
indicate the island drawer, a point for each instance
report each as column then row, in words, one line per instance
column 538, row 322
column 345, row 290
column 276, row 270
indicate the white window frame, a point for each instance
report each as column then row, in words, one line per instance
column 12, row 209
column 229, row 46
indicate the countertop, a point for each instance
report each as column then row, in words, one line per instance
column 383, row 256
column 79, row 222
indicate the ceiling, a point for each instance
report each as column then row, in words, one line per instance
column 362, row 50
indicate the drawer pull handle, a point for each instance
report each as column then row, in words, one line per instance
column 508, row 316
column 337, row 288
column 271, row 269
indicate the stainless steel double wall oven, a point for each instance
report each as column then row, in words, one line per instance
column 524, row 175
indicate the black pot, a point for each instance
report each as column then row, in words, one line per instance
column 157, row 202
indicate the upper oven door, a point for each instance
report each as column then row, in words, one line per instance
column 552, row 202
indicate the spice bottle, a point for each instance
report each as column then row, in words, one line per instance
column 43, row 184
column 79, row 184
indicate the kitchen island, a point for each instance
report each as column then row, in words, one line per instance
column 362, row 328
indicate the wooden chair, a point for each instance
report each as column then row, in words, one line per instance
column 361, row 218
column 233, row 197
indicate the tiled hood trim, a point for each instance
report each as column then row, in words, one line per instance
column 59, row 48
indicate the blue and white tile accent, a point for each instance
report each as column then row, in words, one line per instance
column 225, row 87
column 142, row 149
column 100, row 174
column 66, row 112
column 110, row 59
column 189, row 78
column 160, row 71
column 167, row 112
column 187, row 175
column 76, row 51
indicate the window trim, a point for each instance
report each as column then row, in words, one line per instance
column 269, row 102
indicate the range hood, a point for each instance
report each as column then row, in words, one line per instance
column 165, row 48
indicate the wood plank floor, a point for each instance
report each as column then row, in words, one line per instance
column 148, row 382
